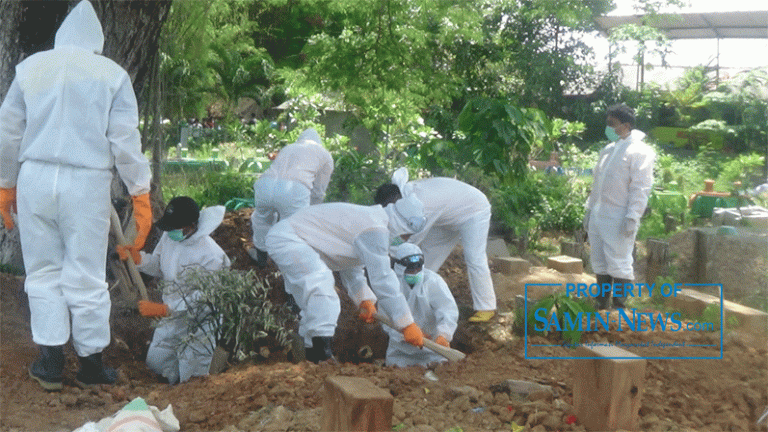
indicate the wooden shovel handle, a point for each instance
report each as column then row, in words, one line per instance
column 449, row 353
column 117, row 231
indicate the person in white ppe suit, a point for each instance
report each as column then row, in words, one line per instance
column 320, row 239
column 297, row 178
column 455, row 211
column 623, row 177
column 69, row 118
column 182, row 348
column 432, row 306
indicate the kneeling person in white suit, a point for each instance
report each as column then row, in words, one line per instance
column 320, row 239
column 180, row 349
column 432, row 306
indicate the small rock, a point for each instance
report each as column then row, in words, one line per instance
column 196, row 417
column 539, row 428
column 540, row 395
column 455, row 392
column 536, row 418
column 69, row 400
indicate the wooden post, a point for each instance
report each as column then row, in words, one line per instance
column 355, row 404
column 658, row 259
column 607, row 392
column 700, row 256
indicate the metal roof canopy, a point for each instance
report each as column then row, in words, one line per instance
column 703, row 25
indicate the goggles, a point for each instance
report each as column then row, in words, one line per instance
column 411, row 262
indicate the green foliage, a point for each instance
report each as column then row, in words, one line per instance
column 499, row 136
column 9, row 269
column 235, row 305
column 562, row 304
column 209, row 188
column 746, row 168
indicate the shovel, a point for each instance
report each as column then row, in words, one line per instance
column 117, row 230
column 449, row 353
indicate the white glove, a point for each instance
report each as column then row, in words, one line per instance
column 586, row 220
column 629, row 227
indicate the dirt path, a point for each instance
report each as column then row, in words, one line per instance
column 694, row 395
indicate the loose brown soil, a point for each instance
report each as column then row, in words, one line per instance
column 275, row 394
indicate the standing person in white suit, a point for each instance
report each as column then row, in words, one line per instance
column 320, row 239
column 623, row 177
column 455, row 211
column 297, row 178
column 69, row 118
column 176, row 352
column 432, row 306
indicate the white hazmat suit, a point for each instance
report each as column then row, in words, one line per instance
column 433, row 309
column 175, row 353
column 297, row 177
column 69, row 117
column 455, row 211
column 623, row 177
column 342, row 237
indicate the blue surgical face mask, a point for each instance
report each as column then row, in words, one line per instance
column 413, row 279
column 611, row 134
column 176, row 235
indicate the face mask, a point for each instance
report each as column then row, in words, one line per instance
column 611, row 134
column 413, row 279
column 396, row 241
column 176, row 235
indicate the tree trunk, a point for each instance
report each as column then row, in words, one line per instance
column 131, row 37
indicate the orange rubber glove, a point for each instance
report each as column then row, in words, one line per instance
column 142, row 213
column 8, row 206
column 413, row 335
column 367, row 310
column 442, row 341
column 152, row 310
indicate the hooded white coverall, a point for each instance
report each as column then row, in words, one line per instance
column 623, row 177
column 434, row 310
column 297, row 177
column 454, row 211
column 320, row 239
column 69, row 117
column 175, row 352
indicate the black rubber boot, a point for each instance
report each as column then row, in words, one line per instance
column 259, row 256
column 620, row 302
column 602, row 300
column 47, row 369
column 321, row 349
column 93, row 372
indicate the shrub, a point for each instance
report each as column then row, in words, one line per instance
column 235, row 306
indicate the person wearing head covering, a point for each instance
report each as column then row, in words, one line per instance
column 623, row 177
column 181, row 348
column 431, row 304
column 69, row 117
column 297, row 178
column 455, row 211
column 317, row 240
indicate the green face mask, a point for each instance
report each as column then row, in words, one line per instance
column 396, row 241
column 611, row 134
column 176, row 235
column 413, row 279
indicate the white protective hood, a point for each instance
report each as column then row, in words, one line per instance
column 210, row 219
column 406, row 216
column 309, row 135
column 82, row 29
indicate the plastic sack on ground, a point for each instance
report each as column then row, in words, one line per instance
column 137, row 416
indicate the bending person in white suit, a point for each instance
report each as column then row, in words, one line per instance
column 343, row 237
column 455, row 211
column 297, row 178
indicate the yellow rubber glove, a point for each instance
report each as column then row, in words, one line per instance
column 8, row 206
column 142, row 213
column 152, row 309
column 367, row 310
column 413, row 335
column 441, row 340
